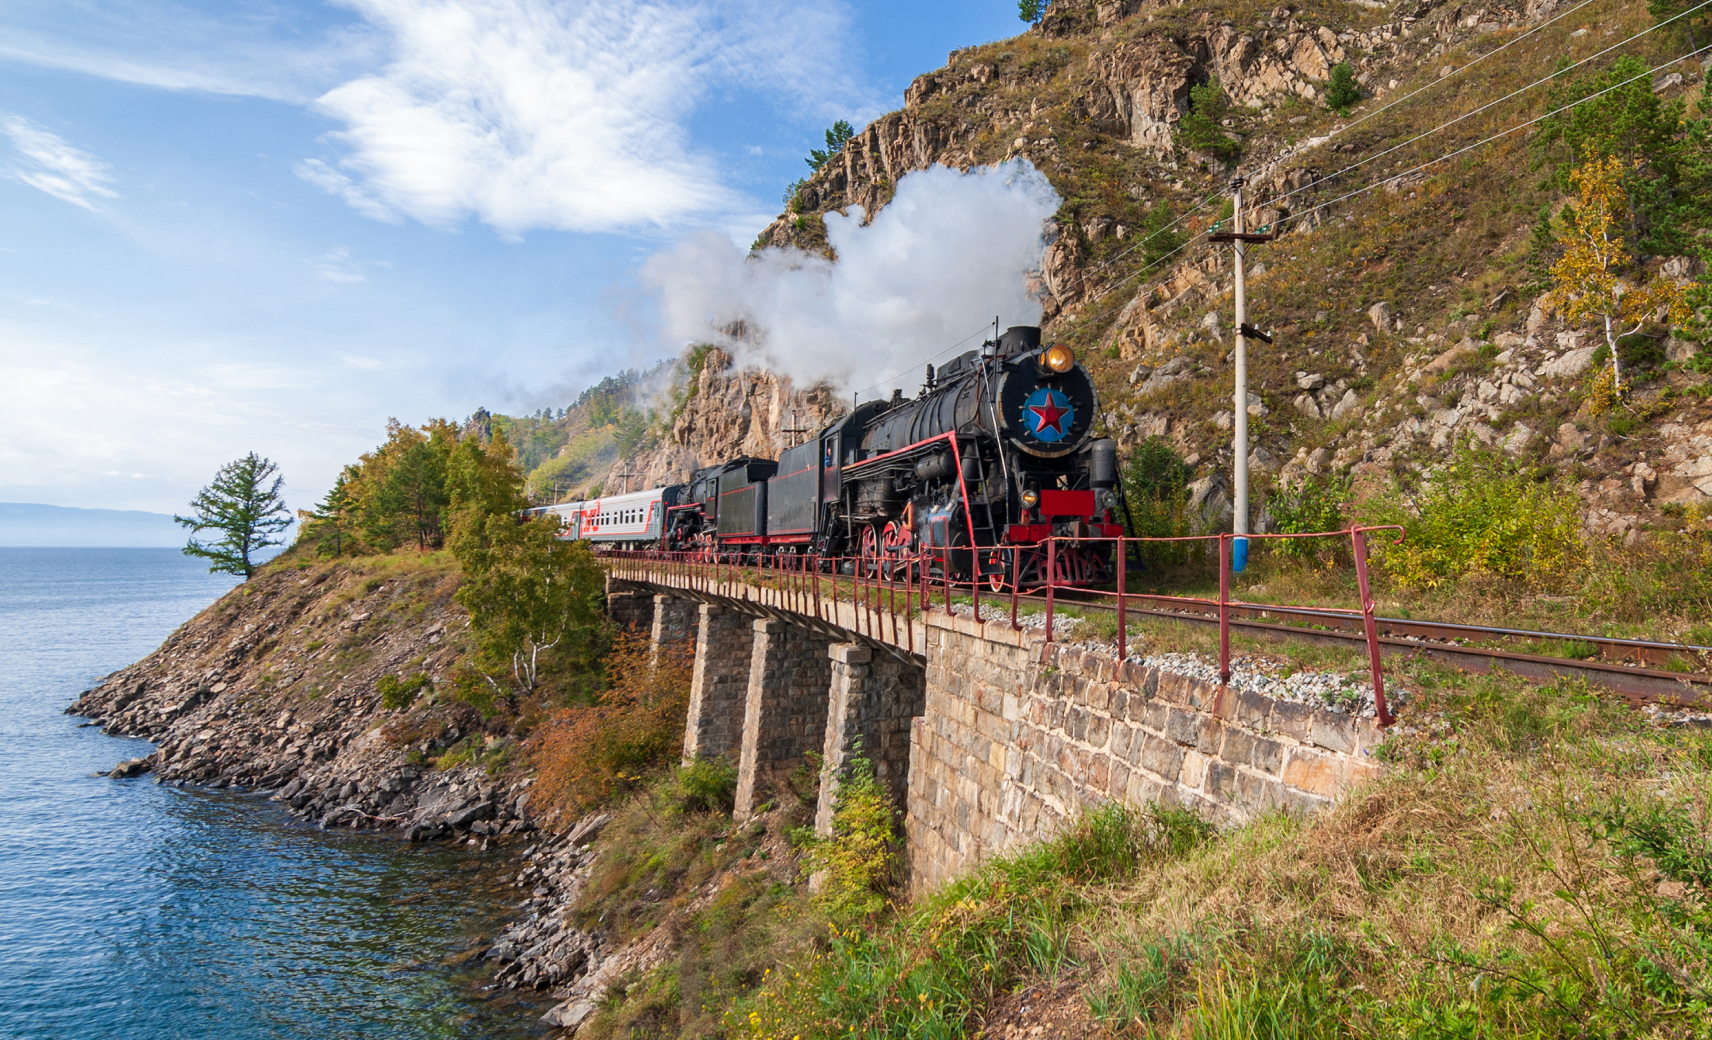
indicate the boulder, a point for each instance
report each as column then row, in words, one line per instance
column 570, row 1014
column 1521, row 435
column 1209, row 502
column 1687, row 483
column 129, row 768
column 1347, row 404
column 1452, row 357
column 1380, row 314
column 1572, row 363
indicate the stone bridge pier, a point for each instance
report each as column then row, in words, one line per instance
column 768, row 692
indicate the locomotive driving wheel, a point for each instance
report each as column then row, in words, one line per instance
column 895, row 549
column 870, row 551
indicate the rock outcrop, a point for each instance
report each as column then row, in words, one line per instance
column 273, row 689
column 727, row 410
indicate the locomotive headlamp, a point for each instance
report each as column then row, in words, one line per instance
column 1058, row 358
column 1030, row 498
column 1108, row 499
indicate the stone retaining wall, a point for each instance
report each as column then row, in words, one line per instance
column 1018, row 736
column 630, row 610
column 676, row 623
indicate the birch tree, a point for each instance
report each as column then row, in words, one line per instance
column 1587, row 283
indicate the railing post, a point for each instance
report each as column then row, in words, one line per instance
column 1374, row 664
column 975, row 582
column 1122, row 649
column 1016, row 574
column 1051, row 581
column 945, row 574
column 1224, row 608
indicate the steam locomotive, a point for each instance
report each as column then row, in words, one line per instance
column 966, row 479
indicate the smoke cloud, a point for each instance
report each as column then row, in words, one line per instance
column 950, row 251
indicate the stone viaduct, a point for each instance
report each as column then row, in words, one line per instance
column 986, row 735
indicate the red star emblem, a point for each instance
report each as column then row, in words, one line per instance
column 1048, row 414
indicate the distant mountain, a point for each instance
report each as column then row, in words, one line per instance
column 30, row 524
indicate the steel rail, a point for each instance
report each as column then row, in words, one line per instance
column 1610, row 647
column 1638, row 686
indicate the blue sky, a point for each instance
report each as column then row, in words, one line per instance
column 265, row 226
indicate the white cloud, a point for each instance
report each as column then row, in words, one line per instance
column 338, row 266
column 54, row 166
column 163, row 426
column 276, row 49
column 552, row 114
column 331, row 181
column 947, row 254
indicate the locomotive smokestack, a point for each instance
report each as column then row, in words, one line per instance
column 897, row 396
column 1019, row 339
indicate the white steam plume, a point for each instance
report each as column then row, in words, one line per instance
column 948, row 253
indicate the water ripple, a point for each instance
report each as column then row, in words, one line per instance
column 142, row 911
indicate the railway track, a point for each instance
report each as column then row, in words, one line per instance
column 1635, row 682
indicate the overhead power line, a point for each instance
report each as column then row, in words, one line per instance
column 1507, row 132
column 1357, row 165
column 1466, row 115
column 1451, row 155
column 1439, row 82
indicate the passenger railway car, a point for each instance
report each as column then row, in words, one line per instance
column 634, row 520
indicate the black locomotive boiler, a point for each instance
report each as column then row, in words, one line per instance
column 969, row 477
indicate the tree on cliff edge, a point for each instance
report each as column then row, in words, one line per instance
column 245, row 507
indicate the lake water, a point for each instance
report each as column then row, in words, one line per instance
column 138, row 911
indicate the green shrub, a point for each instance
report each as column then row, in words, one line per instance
column 1315, row 504
column 858, row 862
column 1640, row 352
column 707, row 785
column 1482, row 514
column 396, row 691
column 1156, row 489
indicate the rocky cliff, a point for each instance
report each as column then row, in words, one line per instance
column 721, row 411
column 1408, row 319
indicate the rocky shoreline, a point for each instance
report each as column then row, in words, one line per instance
column 273, row 690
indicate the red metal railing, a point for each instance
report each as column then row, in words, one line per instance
column 816, row 585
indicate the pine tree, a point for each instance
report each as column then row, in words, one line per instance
column 1200, row 125
column 836, row 139
column 1030, row 11
column 245, row 507
column 1343, row 91
column 330, row 524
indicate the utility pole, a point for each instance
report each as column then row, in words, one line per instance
column 793, row 429
column 1239, row 240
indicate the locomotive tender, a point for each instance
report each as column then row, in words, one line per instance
column 993, row 456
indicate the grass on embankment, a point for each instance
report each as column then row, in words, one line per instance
column 1538, row 863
